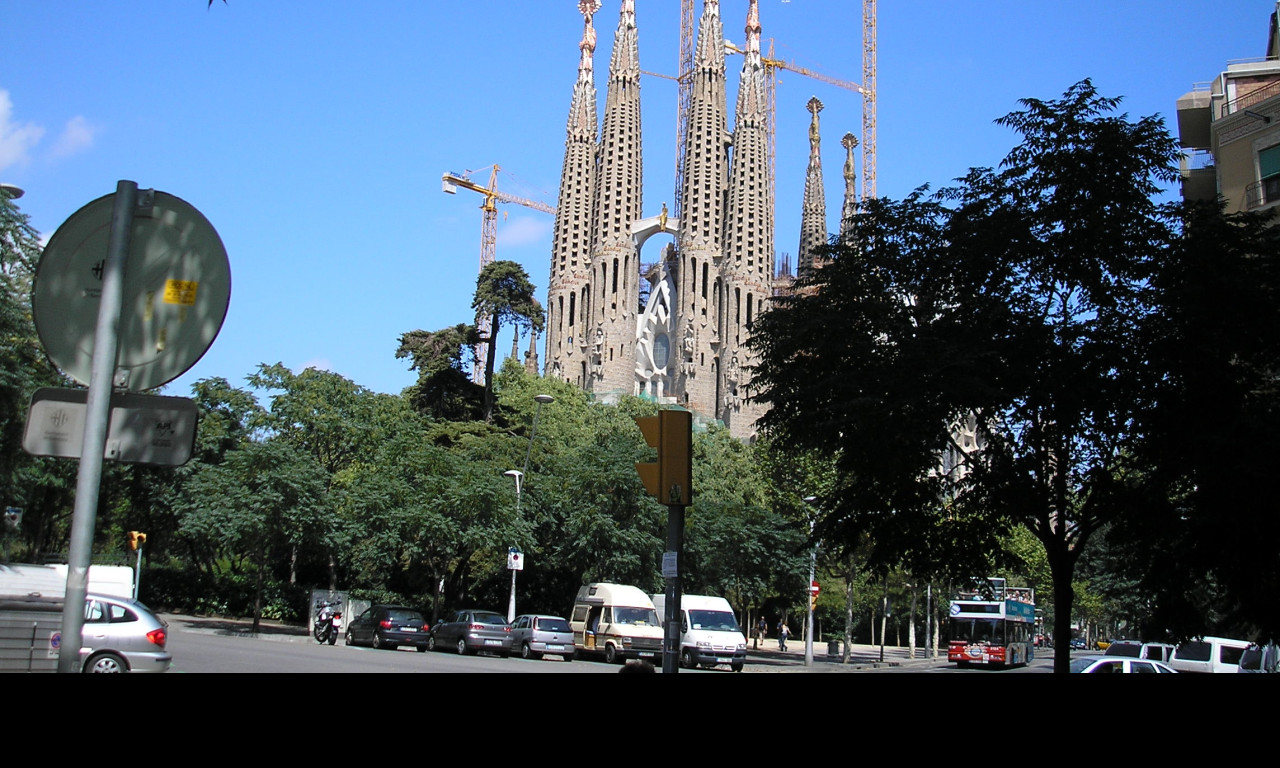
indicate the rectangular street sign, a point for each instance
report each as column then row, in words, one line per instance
column 143, row 429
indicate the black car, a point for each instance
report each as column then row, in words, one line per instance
column 389, row 626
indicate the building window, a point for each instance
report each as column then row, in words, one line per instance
column 1269, row 173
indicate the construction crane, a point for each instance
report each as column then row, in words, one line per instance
column 449, row 183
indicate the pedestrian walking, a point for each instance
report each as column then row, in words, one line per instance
column 783, row 633
column 762, row 631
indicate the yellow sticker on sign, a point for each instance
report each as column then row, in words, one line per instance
column 180, row 292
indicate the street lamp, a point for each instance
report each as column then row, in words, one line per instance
column 518, row 476
column 813, row 565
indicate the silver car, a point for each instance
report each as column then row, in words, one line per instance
column 535, row 634
column 118, row 635
column 122, row 635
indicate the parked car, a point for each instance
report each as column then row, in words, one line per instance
column 122, row 635
column 1208, row 654
column 389, row 626
column 1078, row 644
column 1135, row 649
column 1103, row 665
column 473, row 631
column 534, row 635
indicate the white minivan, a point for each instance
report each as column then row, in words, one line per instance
column 709, row 632
column 1208, row 654
column 616, row 620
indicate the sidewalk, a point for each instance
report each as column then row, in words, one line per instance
column 861, row 657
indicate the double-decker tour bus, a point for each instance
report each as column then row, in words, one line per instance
column 993, row 625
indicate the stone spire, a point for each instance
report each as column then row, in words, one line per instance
column 567, row 294
column 813, row 216
column 747, row 266
column 698, row 299
column 615, row 270
column 850, row 185
column 531, row 356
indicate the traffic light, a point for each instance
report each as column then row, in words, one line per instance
column 670, row 479
column 136, row 540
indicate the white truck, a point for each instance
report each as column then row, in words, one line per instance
column 709, row 632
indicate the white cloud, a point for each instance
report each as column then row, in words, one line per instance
column 319, row 363
column 16, row 140
column 525, row 230
column 76, row 136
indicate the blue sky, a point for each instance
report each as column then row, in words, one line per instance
column 313, row 134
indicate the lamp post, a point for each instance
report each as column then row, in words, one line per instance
column 518, row 476
column 813, row 565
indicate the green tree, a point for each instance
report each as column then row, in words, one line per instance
column 265, row 500
column 504, row 295
column 1017, row 307
column 443, row 389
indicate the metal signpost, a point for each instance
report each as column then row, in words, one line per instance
column 130, row 292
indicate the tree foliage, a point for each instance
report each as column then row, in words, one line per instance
column 504, row 295
column 1012, row 303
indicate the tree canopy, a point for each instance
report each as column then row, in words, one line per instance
column 973, row 357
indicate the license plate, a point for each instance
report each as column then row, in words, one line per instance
column 648, row 655
column 493, row 642
column 722, row 660
column 408, row 629
column 555, row 647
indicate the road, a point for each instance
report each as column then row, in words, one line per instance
column 201, row 646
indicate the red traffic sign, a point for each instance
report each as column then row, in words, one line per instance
column 813, row 588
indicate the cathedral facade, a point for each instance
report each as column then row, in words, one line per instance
column 686, row 344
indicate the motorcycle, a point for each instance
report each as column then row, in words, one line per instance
column 328, row 623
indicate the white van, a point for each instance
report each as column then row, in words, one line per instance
column 1208, row 654
column 709, row 632
column 617, row 621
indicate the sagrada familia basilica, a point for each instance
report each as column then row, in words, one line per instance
column 715, row 275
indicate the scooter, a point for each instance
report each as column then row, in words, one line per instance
column 328, row 623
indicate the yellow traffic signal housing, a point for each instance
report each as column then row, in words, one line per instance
column 136, row 539
column 670, row 479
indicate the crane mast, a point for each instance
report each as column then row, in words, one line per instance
column 449, row 183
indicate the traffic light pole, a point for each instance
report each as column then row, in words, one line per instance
column 674, row 590
column 670, row 481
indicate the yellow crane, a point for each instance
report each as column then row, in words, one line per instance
column 449, row 183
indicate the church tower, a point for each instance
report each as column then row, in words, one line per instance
column 748, row 237
column 850, row 186
column 688, row 346
column 699, row 288
column 813, row 216
column 568, row 297
column 615, row 282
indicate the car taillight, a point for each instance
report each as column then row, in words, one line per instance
column 426, row 627
column 385, row 623
column 158, row 636
column 506, row 628
column 476, row 627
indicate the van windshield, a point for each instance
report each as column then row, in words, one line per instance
column 714, row 621
column 644, row 617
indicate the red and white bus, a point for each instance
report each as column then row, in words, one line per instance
column 993, row 625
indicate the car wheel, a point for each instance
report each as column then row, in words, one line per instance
column 686, row 659
column 422, row 649
column 462, row 646
column 568, row 657
column 346, row 640
column 431, row 643
column 106, row 663
column 527, row 653
column 611, row 654
column 736, row 666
